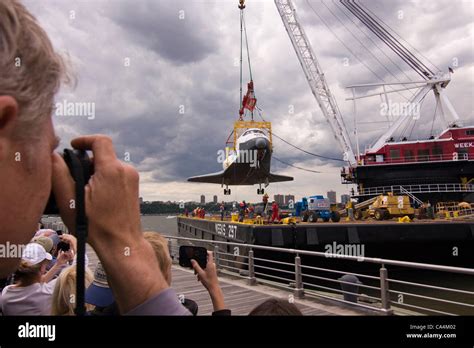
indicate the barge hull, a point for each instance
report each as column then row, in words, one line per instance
column 435, row 242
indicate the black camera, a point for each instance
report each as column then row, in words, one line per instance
column 63, row 246
column 77, row 161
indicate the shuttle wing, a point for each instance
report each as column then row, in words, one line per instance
column 213, row 178
column 239, row 176
column 278, row 178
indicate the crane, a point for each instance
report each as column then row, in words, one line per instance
column 432, row 81
column 315, row 77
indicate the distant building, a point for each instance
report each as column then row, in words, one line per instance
column 203, row 199
column 289, row 198
column 215, row 199
column 280, row 199
column 332, row 197
column 345, row 198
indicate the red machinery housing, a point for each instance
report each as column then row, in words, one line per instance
column 437, row 169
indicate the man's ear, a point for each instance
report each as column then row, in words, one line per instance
column 8, row 113
column 8, row 117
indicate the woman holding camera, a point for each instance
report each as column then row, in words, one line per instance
column 31, row 294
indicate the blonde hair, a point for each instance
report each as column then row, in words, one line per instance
column 160, row 247
column 31, row 70
column 64, row 294
column 27, row 273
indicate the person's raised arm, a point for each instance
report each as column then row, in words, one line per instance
column 113, row 212
column 208, row 278
column 63, row 258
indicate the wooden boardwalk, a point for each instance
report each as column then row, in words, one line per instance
column 239, row 297
column 242, row 298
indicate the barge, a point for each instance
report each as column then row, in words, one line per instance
column 435, row 242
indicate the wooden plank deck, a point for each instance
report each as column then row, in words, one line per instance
column 242, row 298
column 239, row 297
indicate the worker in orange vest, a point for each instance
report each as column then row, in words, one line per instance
column 275, row 209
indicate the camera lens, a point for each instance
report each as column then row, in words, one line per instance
column 87, row 169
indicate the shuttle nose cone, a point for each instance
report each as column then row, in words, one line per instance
column 261, row 143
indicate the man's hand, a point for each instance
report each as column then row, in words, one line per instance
column 208, row 278
column 111, row 195
column 113, row 212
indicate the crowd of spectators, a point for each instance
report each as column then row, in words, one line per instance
column 45, row 282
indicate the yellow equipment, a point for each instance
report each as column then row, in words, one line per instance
column 454, row 210
column 288, row 220
column 389, row 206
column 259, row 220
column 404, row 219
column 242, row 126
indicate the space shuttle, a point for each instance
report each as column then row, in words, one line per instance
column 248, row 163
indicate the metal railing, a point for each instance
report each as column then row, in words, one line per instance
column 412, row 189
column 412, row 196
column 303, row 281
column 455, row 210
column 418, row 159
column 54, row 223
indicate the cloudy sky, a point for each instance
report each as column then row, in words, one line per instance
column 163, row 78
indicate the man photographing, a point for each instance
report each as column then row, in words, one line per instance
column 29, row 169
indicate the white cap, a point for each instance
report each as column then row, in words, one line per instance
column 35, row 253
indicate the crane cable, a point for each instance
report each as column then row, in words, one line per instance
column 247, row 46
column 400, row 37
column 243, row 34
column 308, row 152
column 292, row 165
column 393, row 43
column 241, row 6
column 297, row 147
column 365, row 47
column 350, row 50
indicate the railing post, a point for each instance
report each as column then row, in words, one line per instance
column 252, row 280
column 384, row 294
column 299, row 291
column 216, row 257
column 169, row 249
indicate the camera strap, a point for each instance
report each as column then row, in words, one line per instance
column 77, row 172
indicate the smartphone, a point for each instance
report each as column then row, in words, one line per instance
column 188, row 252
column 64, row 246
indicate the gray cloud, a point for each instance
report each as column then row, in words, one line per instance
column 172, row 29
column 188, row 65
